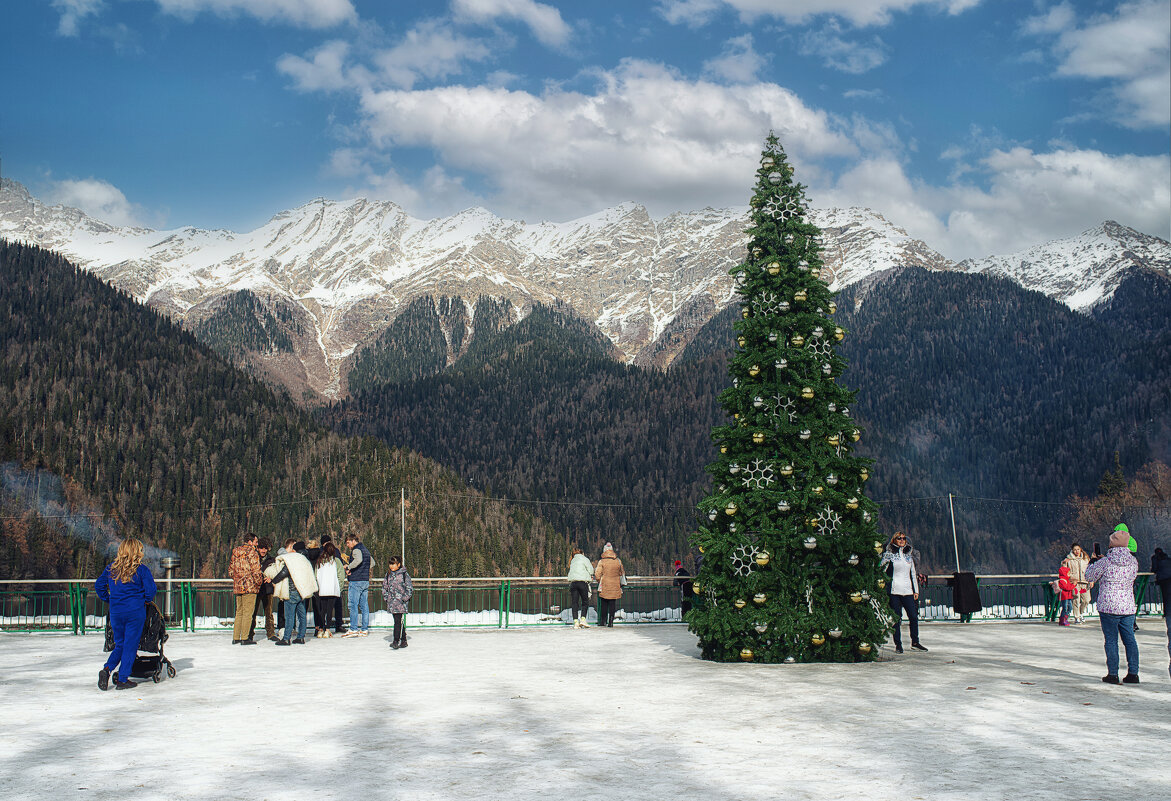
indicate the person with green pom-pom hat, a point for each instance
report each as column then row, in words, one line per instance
column 1132, row 546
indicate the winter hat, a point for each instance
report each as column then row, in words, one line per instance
column 1131, row 544
column 1119, row 539
column 678, row 563
column 607, row 547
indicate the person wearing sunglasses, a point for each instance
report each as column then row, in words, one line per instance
column 901, row 562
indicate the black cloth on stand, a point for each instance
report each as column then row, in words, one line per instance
column 965, row 595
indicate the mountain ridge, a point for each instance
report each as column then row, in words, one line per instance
column 342, row 271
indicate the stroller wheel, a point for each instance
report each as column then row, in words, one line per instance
column 157, row 677
column 171, row 671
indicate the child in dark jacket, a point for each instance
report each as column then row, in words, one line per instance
column 1067, row 589
column 126, row 585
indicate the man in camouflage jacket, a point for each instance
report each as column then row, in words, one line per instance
column 244, row 568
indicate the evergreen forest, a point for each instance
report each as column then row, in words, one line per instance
column 116, row 421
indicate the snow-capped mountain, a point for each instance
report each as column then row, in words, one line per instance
column 346, row 268
column 1081, row 271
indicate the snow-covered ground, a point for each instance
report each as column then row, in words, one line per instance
column 994, row 711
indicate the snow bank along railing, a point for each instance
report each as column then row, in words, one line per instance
column 208, row 604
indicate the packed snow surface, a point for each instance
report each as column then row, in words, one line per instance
column 994, row 711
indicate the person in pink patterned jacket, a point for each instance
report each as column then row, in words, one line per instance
column 1115, row 576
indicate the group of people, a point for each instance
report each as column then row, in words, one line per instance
column 611, row 578
column 297, row 574
column 313, row 571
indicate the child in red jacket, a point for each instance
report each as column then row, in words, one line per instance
column 1067, row 589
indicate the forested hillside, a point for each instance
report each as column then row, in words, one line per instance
column 967, row 384
column 541, row 411
column 149, row 432
column 241, row 324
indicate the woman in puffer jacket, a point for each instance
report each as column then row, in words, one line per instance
column 1077, row 560
column 610, row 575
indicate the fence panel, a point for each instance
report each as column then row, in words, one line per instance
column 209, row 605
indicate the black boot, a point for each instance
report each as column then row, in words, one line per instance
column 125, row 685
column 395, row 645
column 104, row 679
column 403, row 642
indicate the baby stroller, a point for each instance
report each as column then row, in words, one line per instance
column 154, row 634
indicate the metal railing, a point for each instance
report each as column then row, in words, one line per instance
column 209, row 604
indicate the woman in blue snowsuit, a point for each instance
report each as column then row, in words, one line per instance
column 126, row 585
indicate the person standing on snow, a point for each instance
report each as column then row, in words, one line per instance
column 294, row 583
column 396, row 593
column 244, row 568
column 901, row 563
column 611, row 576
column 1115, row 576
column 126, row 585
column 358, row 571
column 581, row 572
column 1077, row 560
column 1066, row 588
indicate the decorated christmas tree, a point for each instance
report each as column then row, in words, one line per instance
column 790, row 550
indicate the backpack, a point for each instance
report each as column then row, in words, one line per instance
column 1055, row 585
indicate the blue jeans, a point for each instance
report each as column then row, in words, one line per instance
column 360, row 605
column 127, row 632
column 1067, row 606
column 1112, row 627
column 294, row 614
column 898, row 603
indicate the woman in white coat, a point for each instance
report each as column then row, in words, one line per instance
column 329, row 589
column 294, row 582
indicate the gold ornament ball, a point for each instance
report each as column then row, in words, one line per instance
column 739, row 603
column 807, row 393
column 723, row 449
column 746, row 654
column 797, row 340
column 741, row 341
column 855, row 597
column 695, row 586
column 863, row 648
column 731, row 508
column 852, row 503
column 800, row 295
column 833, row 439
column 864, row 474
column 758, row 437
column 787, row 470
column 754, row 370
column 833, row 307
column 818, row 489
column 856, row 435
column 882, row 584
column 744, row 314
column 877, row 547
column 839, row 334
column 759, row 598
column 817, row 639
column 762, row 558
column 774, row 267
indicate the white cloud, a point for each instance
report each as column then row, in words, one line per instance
column 840, row 54
column 1130, row 49
column 99, row 199
column 738, row 63
column 1027, row 198
column 432, row 49
column 324, row 71
column 299, row 13
column 73, row 12
column 544, row 21
column 858, row 12
column 645, row 134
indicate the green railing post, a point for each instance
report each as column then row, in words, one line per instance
column 507, row 601
column 1140, row 593
column 73, row 606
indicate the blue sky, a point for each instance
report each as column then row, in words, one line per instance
column 982, row 126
